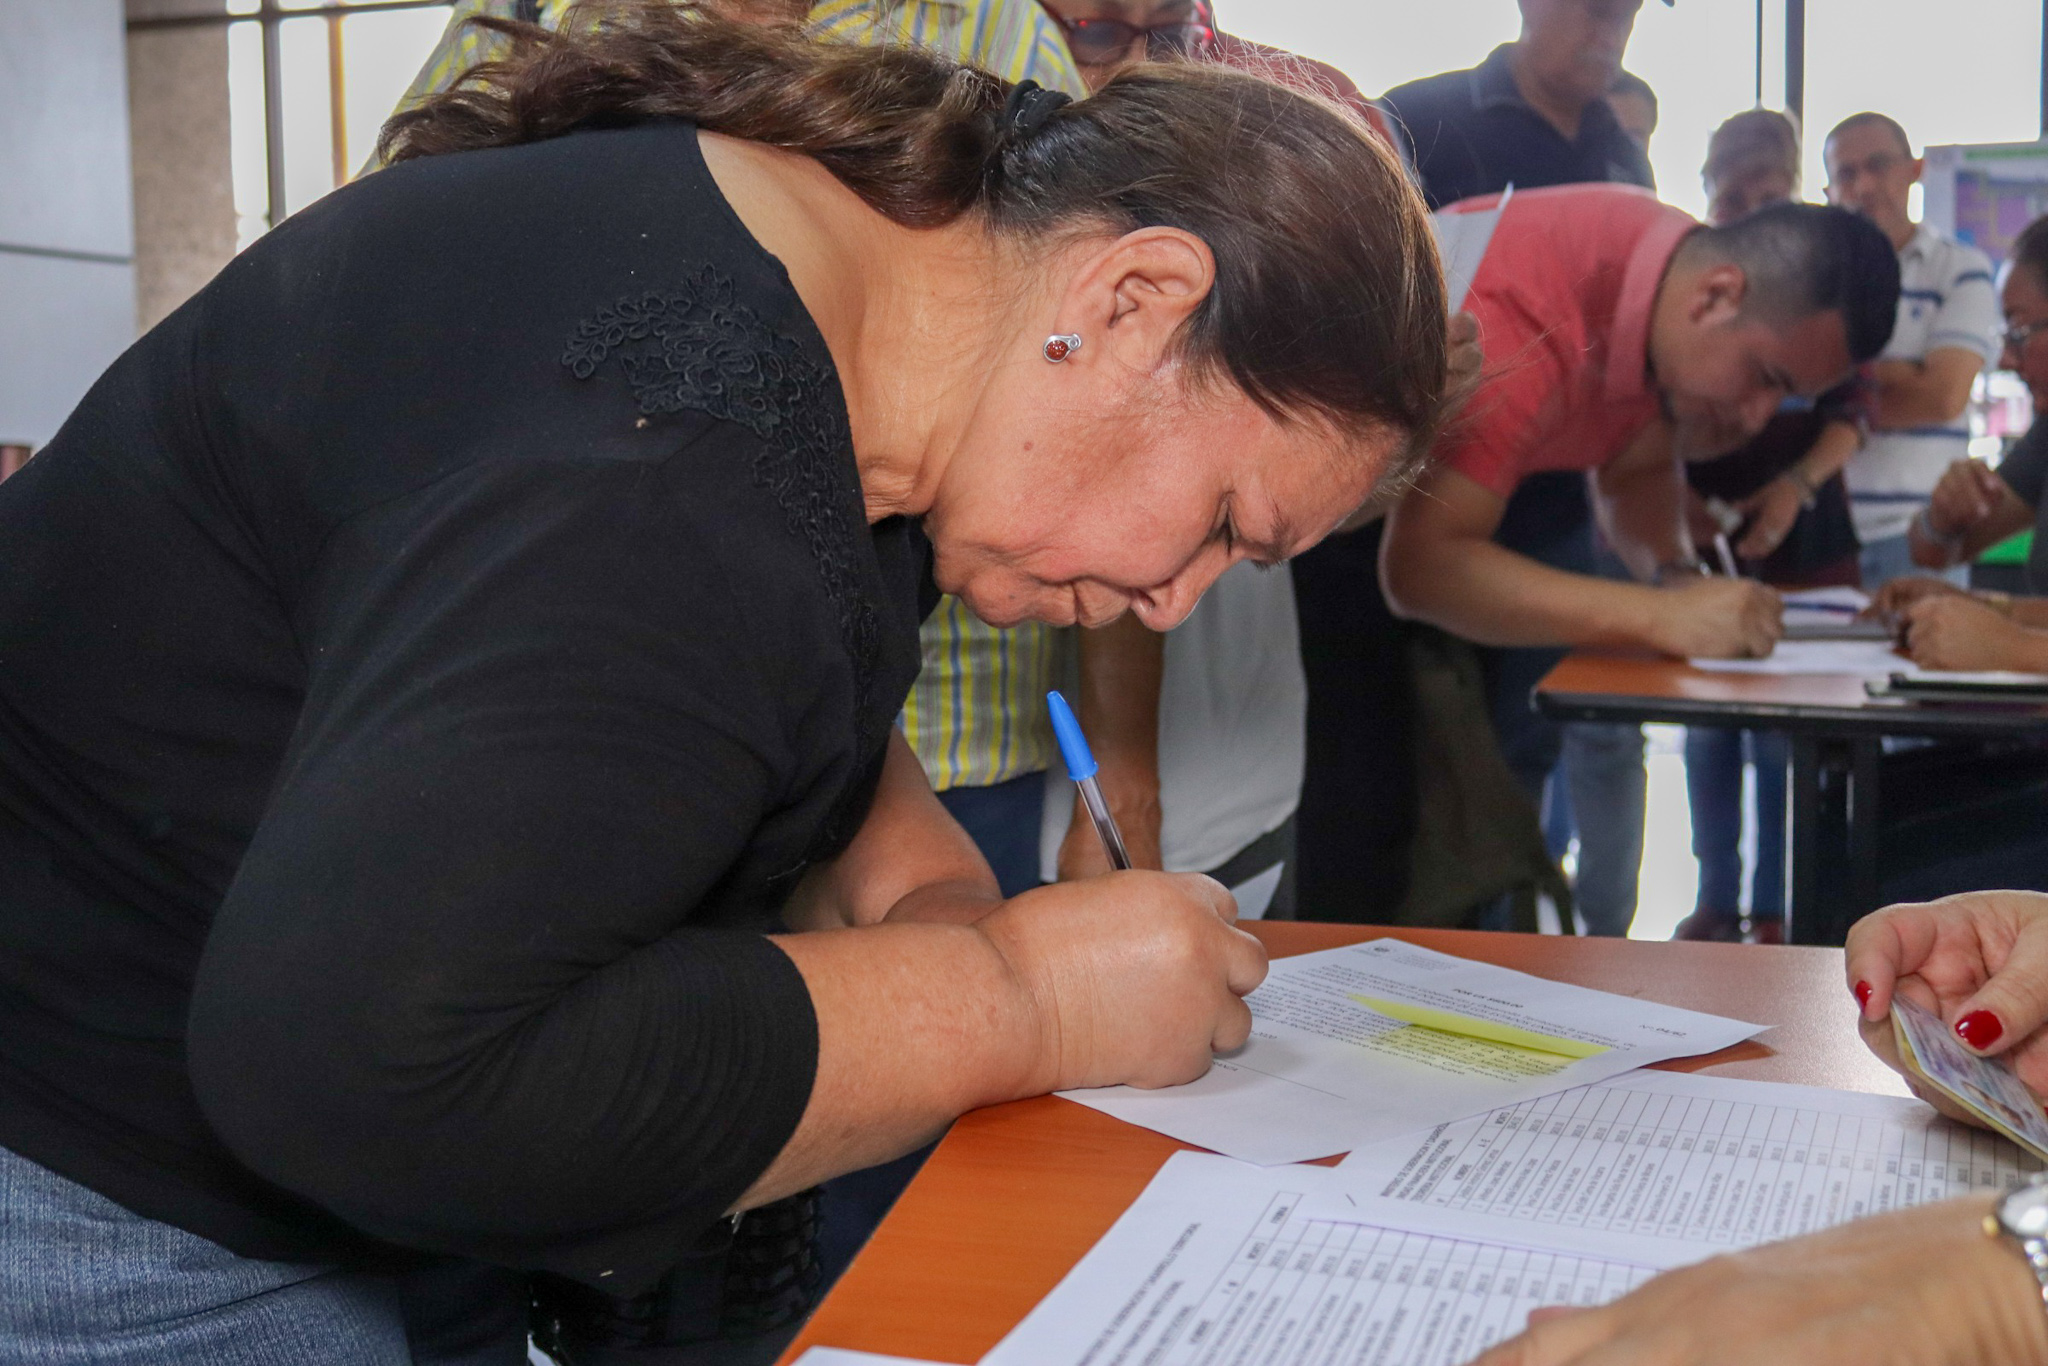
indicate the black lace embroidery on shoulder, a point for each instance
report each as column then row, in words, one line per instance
column 696, row 346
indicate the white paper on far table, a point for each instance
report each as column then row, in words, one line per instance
column 1324, row 1073
column 1863, row 658
column 1220, row 1262
column 1668, row 1167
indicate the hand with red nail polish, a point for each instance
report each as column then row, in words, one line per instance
column 1979, row 1029
column 1979, row 960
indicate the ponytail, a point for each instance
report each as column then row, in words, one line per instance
column 1328, row 300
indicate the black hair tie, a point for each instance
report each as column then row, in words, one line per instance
column 1026, row 111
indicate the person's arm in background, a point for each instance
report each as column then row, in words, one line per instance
column 1972, row 509
column 1122, row 667
column 1439, row 564
column 1931, row 392
column 1772, row 509
column 1639, row 501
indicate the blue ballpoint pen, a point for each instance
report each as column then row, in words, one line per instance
column 1081, row 768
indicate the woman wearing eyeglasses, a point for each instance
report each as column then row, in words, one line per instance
column 1975, row 507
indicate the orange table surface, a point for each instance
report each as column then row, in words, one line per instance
column 1017, row 1193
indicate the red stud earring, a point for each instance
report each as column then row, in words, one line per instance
column 1060, row 345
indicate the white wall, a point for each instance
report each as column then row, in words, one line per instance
column 67, row 279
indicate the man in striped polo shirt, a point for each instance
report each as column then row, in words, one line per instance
column 1947, row 332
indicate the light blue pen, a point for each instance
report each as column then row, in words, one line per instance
column 1081, row 768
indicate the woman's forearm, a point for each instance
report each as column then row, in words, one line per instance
column 917, row 1024
column 1133, row 977
column 910, row 861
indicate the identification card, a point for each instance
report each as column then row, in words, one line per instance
column 1986, row 1087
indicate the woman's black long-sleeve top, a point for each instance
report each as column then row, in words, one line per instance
column 427, row 660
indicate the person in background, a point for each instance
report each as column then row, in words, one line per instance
column 976, row 716
column 1635, row 107
column 1618, row 333
column 1947, row 333
column 1534, row 113
column 1974, row 507
column 1199, row 733
column 1795, row 532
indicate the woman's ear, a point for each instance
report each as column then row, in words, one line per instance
column 1137, row 291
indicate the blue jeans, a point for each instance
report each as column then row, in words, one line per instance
column 1600, row 785
column 1002, row 820
column 1713, row 784
column 1892, row 558
column 84, row 1282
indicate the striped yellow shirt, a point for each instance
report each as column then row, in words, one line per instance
column 976, row 715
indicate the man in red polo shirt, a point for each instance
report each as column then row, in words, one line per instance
column 1620, row 334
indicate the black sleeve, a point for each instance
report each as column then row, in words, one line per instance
column 455, row 993
column 2025, row 469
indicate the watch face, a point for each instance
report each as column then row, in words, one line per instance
column 2024, row 1212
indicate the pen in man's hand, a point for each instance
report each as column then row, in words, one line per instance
column 1725, row 555
column 1081, row 767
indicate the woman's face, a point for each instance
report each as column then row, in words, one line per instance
column 2026, row 305
column 1077, row 495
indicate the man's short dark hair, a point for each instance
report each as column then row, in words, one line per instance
column 1802, row 259
column 1870, row 118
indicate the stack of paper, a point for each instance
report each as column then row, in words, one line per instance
column 1372, row 1040
column 1430, row 1249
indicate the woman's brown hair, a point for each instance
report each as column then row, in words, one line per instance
column 1328, row 300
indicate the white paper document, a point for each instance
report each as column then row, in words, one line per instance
column 1220, row 1262
column 841, row 1356
column 1375, row 1040
column 1665, row 1168
column 1863, row 658
column 1461, row 242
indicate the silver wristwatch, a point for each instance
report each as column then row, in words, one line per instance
column 2021, row 1218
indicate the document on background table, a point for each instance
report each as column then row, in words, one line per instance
column 1664, row 1168
column 1367, row 1042
column 1221, row 1262
column 1863, row 658
column 841, row 1356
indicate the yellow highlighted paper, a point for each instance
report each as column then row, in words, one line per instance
column 1472, row 1027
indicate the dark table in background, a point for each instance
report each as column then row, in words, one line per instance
column 1835, row 730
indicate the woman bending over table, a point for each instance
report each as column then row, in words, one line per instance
column 451, row 825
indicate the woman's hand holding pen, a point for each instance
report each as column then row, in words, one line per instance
column 1135, row 978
